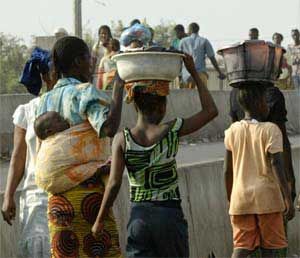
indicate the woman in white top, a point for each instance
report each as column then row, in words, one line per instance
column 34, row 239
column 100, row 50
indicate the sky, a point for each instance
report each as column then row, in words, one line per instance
column 221, row 21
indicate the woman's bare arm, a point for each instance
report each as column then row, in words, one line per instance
column 114, row 182
column 15, row 174
column 111, row 125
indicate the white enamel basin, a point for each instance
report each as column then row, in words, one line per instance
column 136, row 66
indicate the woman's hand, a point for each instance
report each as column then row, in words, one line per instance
column 8, row 209
column 97, row 229
column 189, row 64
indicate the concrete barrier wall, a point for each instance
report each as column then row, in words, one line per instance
column 205, row 207
column 181, row 103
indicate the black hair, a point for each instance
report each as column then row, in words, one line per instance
column 179, row 27
column 255, row 30
column 107, row 28
column 251, row 95
column 135, row 21
column 148, row 103
column 295, row 30
column 65, row 51
column 278, row 34
column 115, row 44
column 194, row 27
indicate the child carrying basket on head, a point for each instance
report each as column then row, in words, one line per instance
column 157, row 227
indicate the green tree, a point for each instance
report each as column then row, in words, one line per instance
column 164, row 33
column 89, row 37
column 13, row 55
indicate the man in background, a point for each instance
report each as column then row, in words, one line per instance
column 180, row 34
column 293, row 54
column 253, row 34
column 199, row 48
column 284, row 80
column 60, row 33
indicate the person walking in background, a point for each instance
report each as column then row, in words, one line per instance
column 152, row 43
column 179, row 35
column 253, row 34
column 257, row 189
column 284, row 81
column 108, row 67
column 293, row 54
column 199, row 48
column 60, row 33
column 99, row 50
column 34, row 236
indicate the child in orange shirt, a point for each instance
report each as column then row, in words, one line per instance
column 255, row 180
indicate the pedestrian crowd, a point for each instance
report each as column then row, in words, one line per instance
column 62, row 149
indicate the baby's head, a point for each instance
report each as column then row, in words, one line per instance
column 48, row 124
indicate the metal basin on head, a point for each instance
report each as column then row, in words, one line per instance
column 135, row 66
column 252, row 60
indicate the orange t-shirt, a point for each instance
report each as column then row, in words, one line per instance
column 255, row 188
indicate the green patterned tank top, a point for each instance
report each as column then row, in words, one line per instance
column 152, row 171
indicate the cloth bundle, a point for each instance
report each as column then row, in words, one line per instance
column 39, row 63
column 136, row 32
column 68, row 158
column 160, row 88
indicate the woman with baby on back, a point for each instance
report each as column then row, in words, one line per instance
column 156, row 227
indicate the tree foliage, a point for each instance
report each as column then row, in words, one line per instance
column 13, row 55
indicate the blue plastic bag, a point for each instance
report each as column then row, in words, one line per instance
column 136, row 32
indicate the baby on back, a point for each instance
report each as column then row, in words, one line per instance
column 49, row 124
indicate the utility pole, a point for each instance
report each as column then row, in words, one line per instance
column 77, row 18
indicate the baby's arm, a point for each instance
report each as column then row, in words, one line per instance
column 114, row 182
column 209, row 110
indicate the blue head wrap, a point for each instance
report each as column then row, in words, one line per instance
column 39, row 63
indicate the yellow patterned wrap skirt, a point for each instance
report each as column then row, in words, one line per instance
column 71, row 215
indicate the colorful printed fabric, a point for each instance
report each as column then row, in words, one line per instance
column 152, row 171
column 71, row 216
column 107, row 72
column 70, row 157
column 76, row 102
column 160, row 88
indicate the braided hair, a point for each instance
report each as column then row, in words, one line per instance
column 65, row 52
